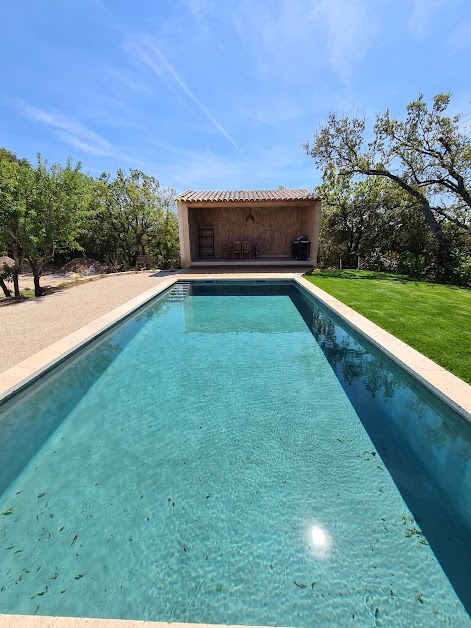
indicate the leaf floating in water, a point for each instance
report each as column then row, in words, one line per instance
column 9, row 547
column 74, row 539
column 301, row 585
column 63, row 590
column 81, row 575
column 41, row 495
column 8, row 512
column 40, row 593
column 423, row 541
column 313, row 584
column 18, row 551
column 420, row 599
column 56, row 573
column 376, row 612
column 36, row 609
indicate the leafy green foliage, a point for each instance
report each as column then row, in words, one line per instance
column 426, row 156
column 360, row 216
column 48, row 212
column 133, row 216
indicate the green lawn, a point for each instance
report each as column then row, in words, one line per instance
column 433, row 318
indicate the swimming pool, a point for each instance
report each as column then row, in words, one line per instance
column 235, row 454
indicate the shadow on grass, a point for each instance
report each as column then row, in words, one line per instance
column 378, row 276
column 362, row 274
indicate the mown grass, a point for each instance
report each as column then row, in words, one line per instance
column 433, row 318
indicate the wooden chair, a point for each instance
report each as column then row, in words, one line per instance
column 255, row 250
column 246, row 249
column 236, row 249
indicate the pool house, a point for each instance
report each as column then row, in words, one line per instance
column 249, row 228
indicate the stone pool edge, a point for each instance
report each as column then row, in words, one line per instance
column 448, row 387
column 45, row 621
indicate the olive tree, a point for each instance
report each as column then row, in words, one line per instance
column 426, row 155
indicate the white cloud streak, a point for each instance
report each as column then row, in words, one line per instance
column 74, row 133
column 151, row 56
column 348, row 27
column 293, row 39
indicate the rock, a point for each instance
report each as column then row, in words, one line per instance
column 84, row 266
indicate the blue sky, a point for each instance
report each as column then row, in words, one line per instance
column 217, row 94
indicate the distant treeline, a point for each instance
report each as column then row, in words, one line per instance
column 51, row 213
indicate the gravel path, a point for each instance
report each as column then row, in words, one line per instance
column 31, row 325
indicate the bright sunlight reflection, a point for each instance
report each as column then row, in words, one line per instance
column 319, row 541
column 318, row 536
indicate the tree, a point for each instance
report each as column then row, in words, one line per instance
column 6, row 264
column 360, row 216
column 134, row 217
column 164, row 239
column 57, row 213
column 14, row 174
column 426, row 156
column 42, row 211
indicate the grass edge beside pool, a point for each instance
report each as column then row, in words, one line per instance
column 430, row 317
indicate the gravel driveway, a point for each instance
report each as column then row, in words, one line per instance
column 29, row 326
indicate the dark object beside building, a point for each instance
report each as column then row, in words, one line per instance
column 301, row 248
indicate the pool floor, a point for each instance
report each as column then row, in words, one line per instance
column 216, row 472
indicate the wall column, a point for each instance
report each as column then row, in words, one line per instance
column 184, row 234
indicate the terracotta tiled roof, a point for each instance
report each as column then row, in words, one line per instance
column 191, row 196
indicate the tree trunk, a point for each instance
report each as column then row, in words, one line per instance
column 16, row 283
column 18, row 256
column 37, row 269
column 38, row 291
column 444, row 249
column 3, row 286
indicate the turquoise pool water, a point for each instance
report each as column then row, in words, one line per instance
column 235, row 455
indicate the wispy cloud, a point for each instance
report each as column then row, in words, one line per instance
column 290, row 38
column 200, row 8
column 422, row 15
column 74, row 133
column 348, row 24
column 264, row 167
column 150, row 55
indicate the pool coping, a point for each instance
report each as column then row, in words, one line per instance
column 47, row 621
column 452, row 390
